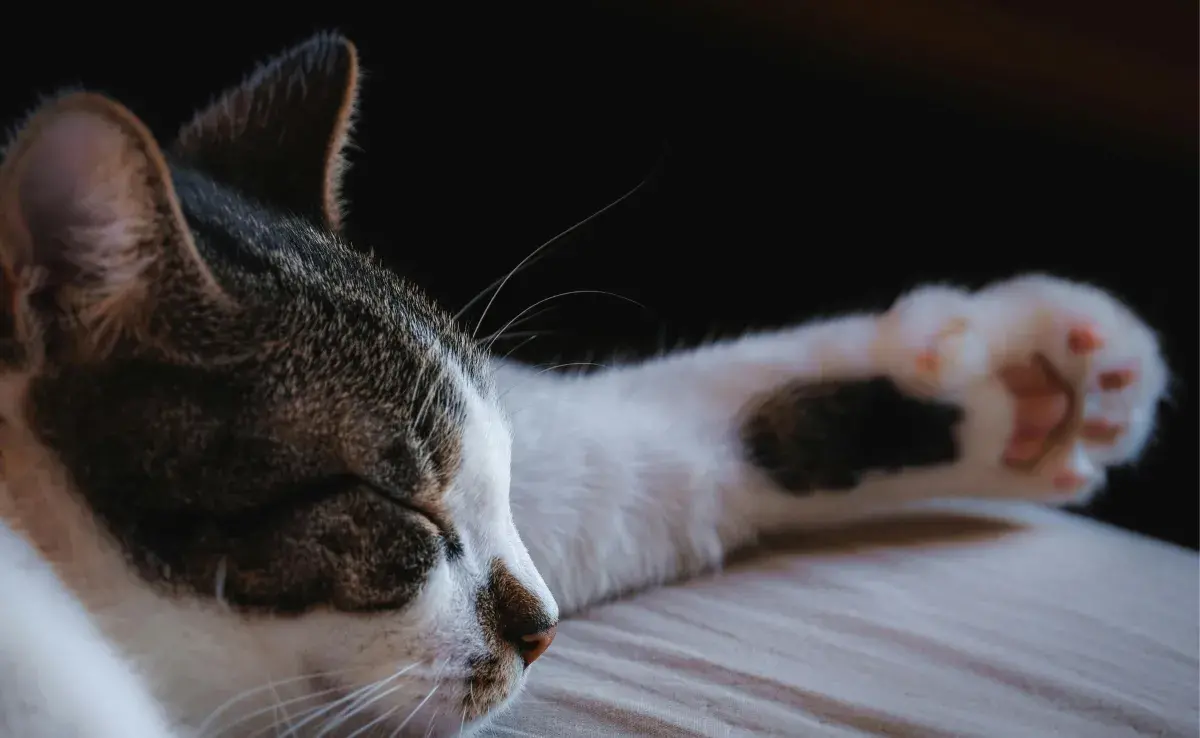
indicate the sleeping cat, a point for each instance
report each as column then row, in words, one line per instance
column 255, row 484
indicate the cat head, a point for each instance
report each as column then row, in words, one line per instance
column 272, row 469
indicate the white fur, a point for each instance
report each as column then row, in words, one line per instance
column 624, row 479
column 634, row 476
column 59, row 677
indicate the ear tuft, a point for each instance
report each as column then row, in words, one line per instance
column 280, row 136
column 88, row 217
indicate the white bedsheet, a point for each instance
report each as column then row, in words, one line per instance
column 1003, row 620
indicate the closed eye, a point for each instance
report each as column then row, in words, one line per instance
column 437, row 521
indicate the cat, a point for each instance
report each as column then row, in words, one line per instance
column 254, row 480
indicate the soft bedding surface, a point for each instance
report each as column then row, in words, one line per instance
column 1007, row 621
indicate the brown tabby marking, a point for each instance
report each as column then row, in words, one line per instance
column 250, row 407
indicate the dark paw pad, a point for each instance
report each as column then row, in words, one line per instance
column 825, row 436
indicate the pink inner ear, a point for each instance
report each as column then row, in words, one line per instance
column 85, row 197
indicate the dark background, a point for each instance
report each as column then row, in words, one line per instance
column 798, row 159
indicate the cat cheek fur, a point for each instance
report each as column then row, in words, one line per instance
column 448, row 638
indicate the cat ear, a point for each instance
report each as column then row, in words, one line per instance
column 279, row 136
column 90, row 227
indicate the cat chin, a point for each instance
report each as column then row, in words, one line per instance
column 424, row 705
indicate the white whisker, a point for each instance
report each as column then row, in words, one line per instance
column 416, row 709
column 517, row 334
column 528, row 318
column 347, row 715
column 387, row 714
column 499, row 284
column 274, row 725
column 320, row 710
column 571, row 363
column 568, row 293
column 543, row 371
column 224, row 706
column 353, row 697
column 363, row 700
column 432, row 723
column 280, row 706
column 518, row 346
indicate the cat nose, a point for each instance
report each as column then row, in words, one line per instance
column 532, row 645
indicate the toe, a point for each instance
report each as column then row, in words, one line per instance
column 1084, row 339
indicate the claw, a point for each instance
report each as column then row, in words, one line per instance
column 1084, row 339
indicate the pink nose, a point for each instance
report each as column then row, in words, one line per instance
column 533, row 646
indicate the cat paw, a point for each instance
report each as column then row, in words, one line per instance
column 1058, row 381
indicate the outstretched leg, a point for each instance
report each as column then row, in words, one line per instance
column 1028, row 389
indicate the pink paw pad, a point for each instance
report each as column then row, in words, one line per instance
column 928, row 362
column 1117, row 379
column 1068, row 481
column 1084, row 339
column 1101, row 431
